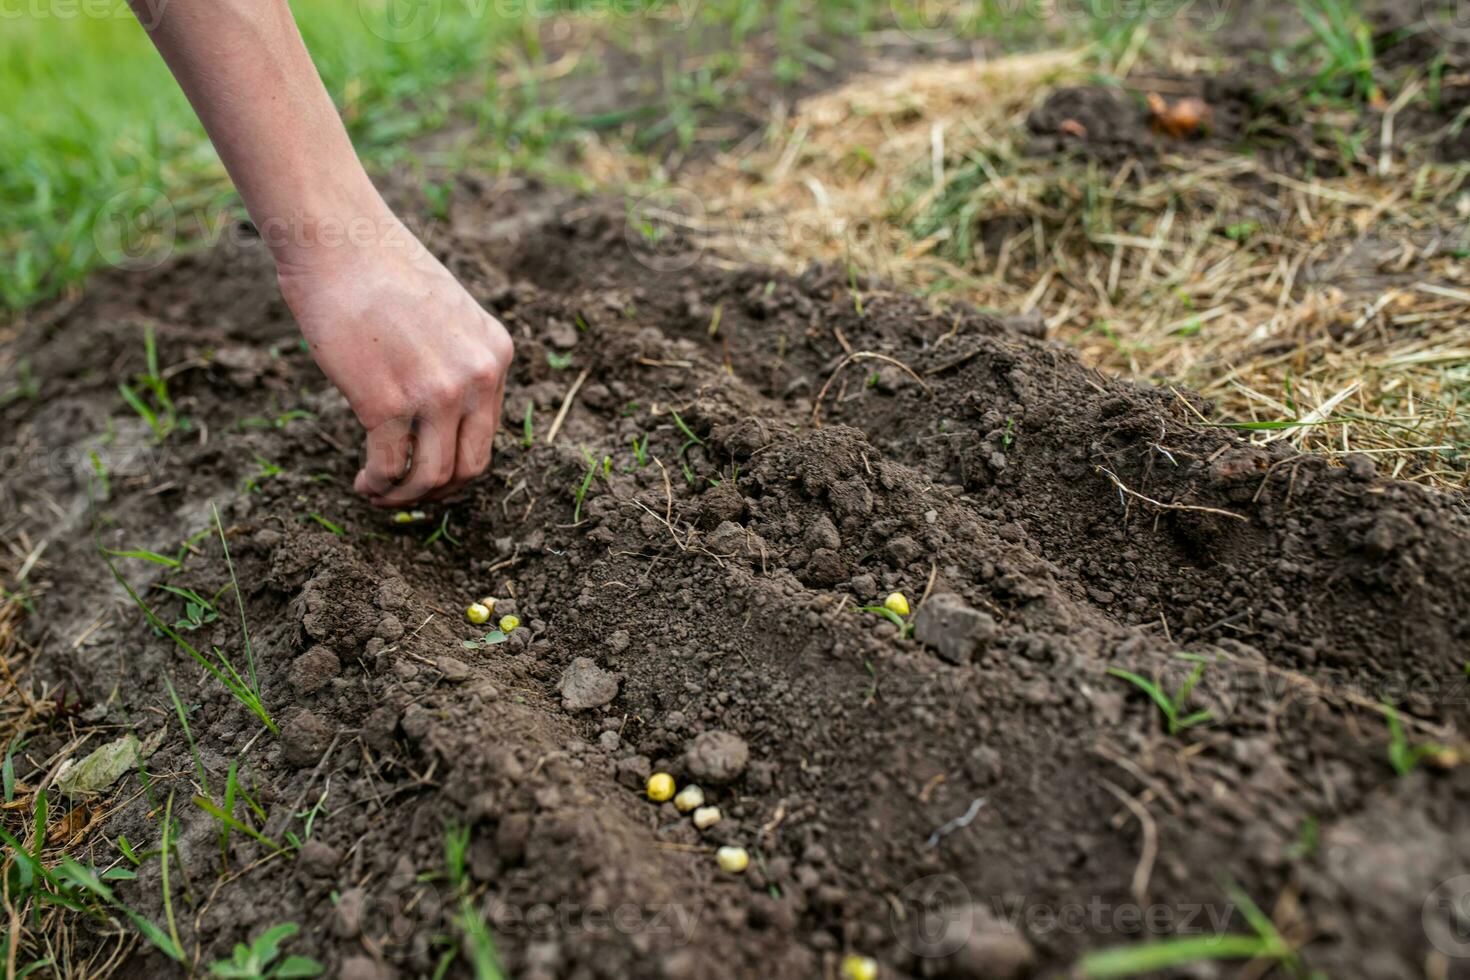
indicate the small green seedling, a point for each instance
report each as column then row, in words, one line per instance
column 558, row 362
column 308, row 820
column 640, row 451
column 198, row 611
column 1170, row 706
column 1404, row 755
column 335, row 528
column 149, row 396
column 245, row 688
column 280, row 421
column 258, row 960
column 1150, row 957
column 580, row 494
column 267, row 471
column 104, row 477
column 690, row 438
column 478, row 944
column 490, row 639
column 905, row 628
column 442, row 531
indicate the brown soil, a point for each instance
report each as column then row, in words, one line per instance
column 1060, row 522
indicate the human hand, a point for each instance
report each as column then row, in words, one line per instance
column 418, row 360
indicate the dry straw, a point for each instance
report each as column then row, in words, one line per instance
column 1330, row 312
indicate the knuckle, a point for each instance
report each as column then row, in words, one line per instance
column 488, row 373
column 444, row 394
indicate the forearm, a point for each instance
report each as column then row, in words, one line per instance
column 246, row 71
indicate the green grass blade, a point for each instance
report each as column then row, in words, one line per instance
column 1129, row 961
column 208, row 807
column 1151, row 689
column 240, row 604
column 145, row 555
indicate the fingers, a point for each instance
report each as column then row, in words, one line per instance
column 476, row 439
column 432, row 464
column 388, row 457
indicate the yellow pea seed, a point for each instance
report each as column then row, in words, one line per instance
column 509, row 623
column 403, row 517
column 855, row 967
column 489, row 603
column 660, row 787
column 897, row 602
column 706, row 817
column 691, row 797
column 732, row 860
column 477, row 613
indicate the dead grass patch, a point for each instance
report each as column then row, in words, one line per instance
column 1330, row 312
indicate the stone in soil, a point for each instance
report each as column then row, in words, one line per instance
column 716, row 757
column 952, row 628
column 585, row 686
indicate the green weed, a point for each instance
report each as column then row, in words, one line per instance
column 332, row 526
column 198, row 611
column 258, row 961
column 1403, row 755
column 30, row 885
column 478, row 945
column 148, row 396
column 580, row 494
column 442, row 531
column 1172, row 707
column 1343, row 49
column 905, row 628
column 1131, row 961
column 245, row 688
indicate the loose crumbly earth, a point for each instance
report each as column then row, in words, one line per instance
column 1056, row 523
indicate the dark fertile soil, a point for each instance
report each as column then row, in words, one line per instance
column 1057, row 522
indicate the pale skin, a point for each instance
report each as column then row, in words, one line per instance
column 421, row 364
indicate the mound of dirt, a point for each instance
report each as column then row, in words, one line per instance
column 979, row 799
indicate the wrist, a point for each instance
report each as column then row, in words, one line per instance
column 329, row 227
